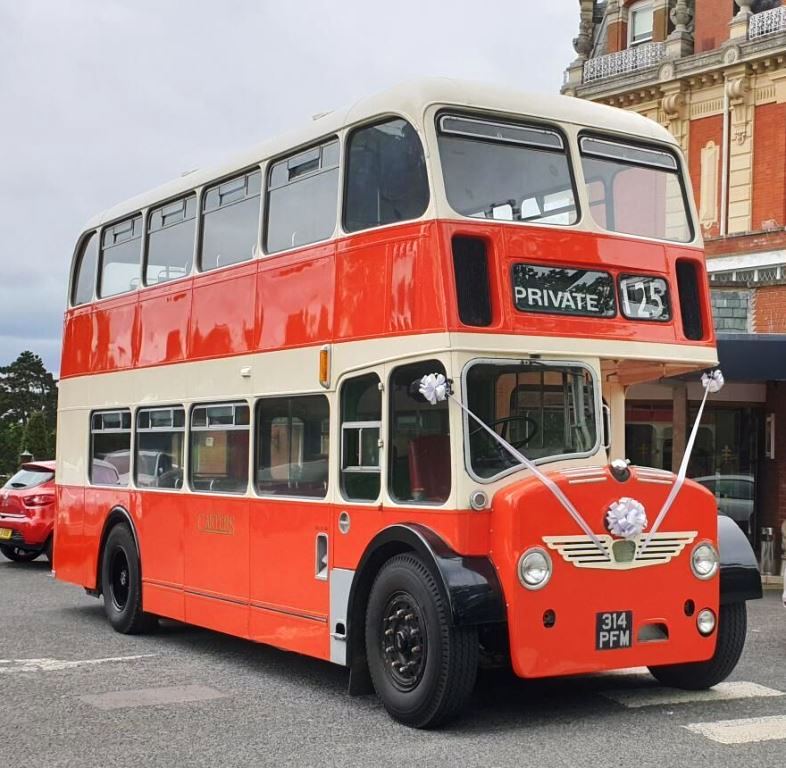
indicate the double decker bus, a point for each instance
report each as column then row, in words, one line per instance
column 360, row 394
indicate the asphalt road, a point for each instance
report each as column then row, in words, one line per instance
column 75, row 693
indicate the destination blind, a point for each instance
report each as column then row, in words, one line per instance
column 563, row 290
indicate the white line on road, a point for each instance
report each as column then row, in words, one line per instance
column 12, row 666
column 153, row 697
column 634, row 698
column 742, row 731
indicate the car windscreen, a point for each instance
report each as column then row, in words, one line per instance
column 29, row 478
column 635, row 190
column 506, row 171
column 542, row 410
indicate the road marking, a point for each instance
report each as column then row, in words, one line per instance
column 12, row 666
column 152, row 697
column 633, row 698
column 742, row 731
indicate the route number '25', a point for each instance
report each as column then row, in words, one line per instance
column 644, row 298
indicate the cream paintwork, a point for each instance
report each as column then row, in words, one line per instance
column 296, row 371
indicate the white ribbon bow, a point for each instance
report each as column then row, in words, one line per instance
column 434, row 387
column 626, row 518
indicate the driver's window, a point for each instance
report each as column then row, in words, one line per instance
column 419, row 451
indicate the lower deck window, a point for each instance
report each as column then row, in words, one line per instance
column 419, row 452
column 219, row 448
column 110, row 447
column 158, row 451
column 542, row 410
column 293, row 440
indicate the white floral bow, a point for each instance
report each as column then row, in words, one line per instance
column 713, row 381
column 626, row 518
column 434, row 387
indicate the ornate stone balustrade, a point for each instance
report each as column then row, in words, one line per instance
column 623, row 62
column 767, row 23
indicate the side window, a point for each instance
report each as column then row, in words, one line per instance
column 293, row 442
column 110, row 447
column 386, row 176
column 85, row 273
column 219, row 448
column 121, row 251
column 158, row 448
column 361, row 419
column 419, row 451
column 170, row 240
column 302, row 198
column 230, row 221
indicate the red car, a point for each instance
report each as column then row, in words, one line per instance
column 27, row 512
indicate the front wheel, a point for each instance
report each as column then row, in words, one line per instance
column 423, row 668
column 17, row 554
column 121, row 584
column 732, row 625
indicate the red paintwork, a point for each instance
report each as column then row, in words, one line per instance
column 246, row 565
column 386, row 282
column 35, row 523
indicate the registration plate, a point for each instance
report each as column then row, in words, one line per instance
column 5, row 533
column 613, row 629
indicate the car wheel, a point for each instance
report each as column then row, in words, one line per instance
column 17, row 554
column 121, row 584
column 422, row 666
column 732, row 625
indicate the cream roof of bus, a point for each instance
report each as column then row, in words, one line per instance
column 409, row 99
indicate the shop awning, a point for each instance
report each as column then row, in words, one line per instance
column 752, row 356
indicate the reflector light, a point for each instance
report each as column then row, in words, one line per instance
column 324, row 366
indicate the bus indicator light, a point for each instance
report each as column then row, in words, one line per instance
column 324, row 366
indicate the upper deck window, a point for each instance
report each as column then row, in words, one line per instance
column 386, row 176
column 230, row 221
column 506, row 171
column 85, row 272
column 170, row 240
column 302, row 198
column 635, row 190
column 121, row 251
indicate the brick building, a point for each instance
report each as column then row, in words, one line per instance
column 714, row 73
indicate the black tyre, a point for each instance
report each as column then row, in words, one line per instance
column 17, row 554
column 732, row 625
column 423, row 668
column 121, row 584
column 48, row 549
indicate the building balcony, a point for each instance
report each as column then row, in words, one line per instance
column 624, row 62
column 767, row 23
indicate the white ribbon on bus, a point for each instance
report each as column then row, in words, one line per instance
column 435, row 388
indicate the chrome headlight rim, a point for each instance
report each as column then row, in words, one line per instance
column 705, row 544
column 520, row 568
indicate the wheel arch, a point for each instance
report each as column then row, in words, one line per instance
column 118, row 515
column 740, row 579
column 468, row 583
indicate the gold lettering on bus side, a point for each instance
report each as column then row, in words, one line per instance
column 214, row 522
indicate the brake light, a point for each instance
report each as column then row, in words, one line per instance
column 39, row 500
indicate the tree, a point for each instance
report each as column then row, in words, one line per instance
column 36, row 437
column 26, row 387
column 10, row 446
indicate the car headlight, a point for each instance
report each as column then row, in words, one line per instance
column 535, row 568
column 704, row 561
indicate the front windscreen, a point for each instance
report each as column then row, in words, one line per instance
column 506, row 171
column 635, row 190
column 541, row 410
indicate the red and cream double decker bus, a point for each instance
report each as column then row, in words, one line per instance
column 360, row 394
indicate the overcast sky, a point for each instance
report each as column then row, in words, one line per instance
column 103, row 99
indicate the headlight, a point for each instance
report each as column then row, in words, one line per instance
column 535, row 568
column 704, row 561
column 705, row 622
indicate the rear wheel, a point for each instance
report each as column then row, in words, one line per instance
column 423, row 668
column 732, row 625
column 121, row 584
column 17, row 554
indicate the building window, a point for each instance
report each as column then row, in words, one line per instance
column 230, row 221
column 361, row 420
column 419, row 451
column 640, row 18
column 110, row 447
column 158, row 449
column 170, row 240
column 85, row 273
column 293, row 441
column 121, row 252
column 302, row 198
column 219, row 448
column 386, row 176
